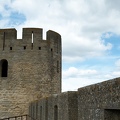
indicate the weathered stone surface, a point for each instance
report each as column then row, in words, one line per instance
column 30, row 82
column 95, row 102
column 34, row 69
column 57, row 107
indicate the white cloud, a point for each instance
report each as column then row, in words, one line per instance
column 75, row 72
column 73, row 83
column 116, row 73
column 81, row 24
column 113, row 4
column 4, row 13
column 4, row 5
column 117, row 63
column 74, row 78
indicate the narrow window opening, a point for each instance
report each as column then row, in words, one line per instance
column 32, row 41
column 24, row 47
column 51, row 52
column 4, row 68
column 55, row 112
column 4, row 41
column 39, row 48
column 10, row 48
column 32, row 36
column 57, row 66
column 40, row 112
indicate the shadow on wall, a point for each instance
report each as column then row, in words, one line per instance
column 4, row 68
column 112, row 114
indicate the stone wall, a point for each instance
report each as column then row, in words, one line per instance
column 39, row 109
column 95, row 102
column 57, row 107
column 30, row 69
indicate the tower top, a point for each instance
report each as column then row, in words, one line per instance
column 8, row 37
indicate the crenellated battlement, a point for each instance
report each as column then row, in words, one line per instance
column 32, row 38
column 30, row 68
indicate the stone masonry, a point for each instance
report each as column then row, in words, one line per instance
column 95, row 102
column 30, row 82
column 30, row 68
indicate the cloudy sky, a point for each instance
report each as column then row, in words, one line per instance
column 90, row 31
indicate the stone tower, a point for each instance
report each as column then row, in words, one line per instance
column 30, row 68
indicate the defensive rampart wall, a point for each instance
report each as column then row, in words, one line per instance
column 95, row 102
column 99, row 101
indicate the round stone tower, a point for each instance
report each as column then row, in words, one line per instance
column 30, row 68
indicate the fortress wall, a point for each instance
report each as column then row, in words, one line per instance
column 29, row 70
column 94, row 100
column 73, row 105
column 42, row 109
column 66, row 104
column 91, row 114
column 57, row 107
column 39, row 109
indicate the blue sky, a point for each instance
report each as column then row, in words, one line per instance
column 90, row 31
